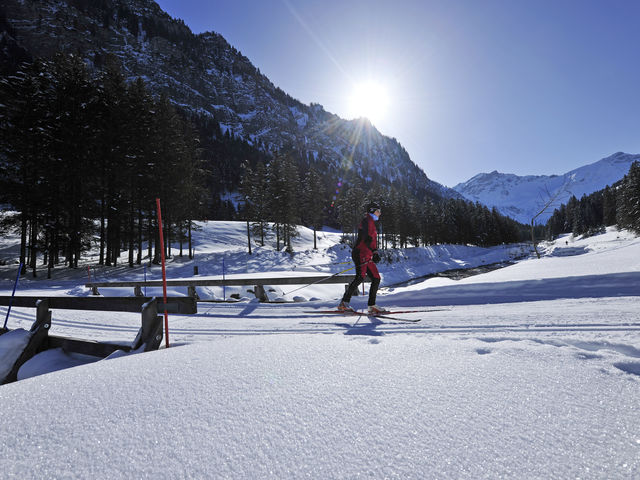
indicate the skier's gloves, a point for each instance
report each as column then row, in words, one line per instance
column 376, row 257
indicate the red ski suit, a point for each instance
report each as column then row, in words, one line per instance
column 366, row 244
column 362, row 254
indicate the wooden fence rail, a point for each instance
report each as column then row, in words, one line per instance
column 256, row 282
column 186, row 305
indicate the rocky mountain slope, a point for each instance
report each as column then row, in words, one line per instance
column 205, row 75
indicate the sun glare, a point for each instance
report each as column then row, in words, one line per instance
column 370, row 100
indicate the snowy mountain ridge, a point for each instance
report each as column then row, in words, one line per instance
column 522, row 197
column 206, row 76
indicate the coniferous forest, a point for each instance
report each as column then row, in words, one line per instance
column 86, row 153
column 85, row 158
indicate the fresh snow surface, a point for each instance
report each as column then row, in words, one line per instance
column 530, row 371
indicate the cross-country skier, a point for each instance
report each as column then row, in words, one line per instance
column 365, row 256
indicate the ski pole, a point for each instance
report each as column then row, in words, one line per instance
column 322, row 265
column 329, row 264
column 15, row 285
column 325, row 278
column 318, row 281
column 164, row 276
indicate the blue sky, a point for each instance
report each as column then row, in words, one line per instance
column 531, row 87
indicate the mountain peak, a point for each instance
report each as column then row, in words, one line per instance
column 521, row 197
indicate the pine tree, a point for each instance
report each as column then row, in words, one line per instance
column 428, row 223
column 254, row 188
column 192, row 193
column 73, row 130
column 608, row 206
column 312, row 201
column 350, row 205
column 558, row 221
column 25, row 142
column 579, row 218
column 111, row 152
column 283, row 187
column 572, row 212
column 629, row 199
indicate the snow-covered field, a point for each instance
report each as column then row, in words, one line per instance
column 530, row 371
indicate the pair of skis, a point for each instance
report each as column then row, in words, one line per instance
column 390, row 315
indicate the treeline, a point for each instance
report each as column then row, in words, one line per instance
column 85, row 154
column 614, row 205
column 283, row 193
column 85, row 158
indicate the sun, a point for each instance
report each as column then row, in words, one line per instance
column 368, row 99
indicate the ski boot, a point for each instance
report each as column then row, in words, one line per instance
column 376, row 310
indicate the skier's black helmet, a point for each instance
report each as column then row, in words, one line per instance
column 373, row 206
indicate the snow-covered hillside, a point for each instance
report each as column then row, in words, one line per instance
column 529, row 371
column 523, row 197
column 207, row 76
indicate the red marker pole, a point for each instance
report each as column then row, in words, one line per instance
column 164, row 276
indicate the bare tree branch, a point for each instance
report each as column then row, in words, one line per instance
column 549, row 200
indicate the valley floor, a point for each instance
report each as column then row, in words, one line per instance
column 530, row 371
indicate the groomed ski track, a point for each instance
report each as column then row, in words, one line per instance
column 224, row 319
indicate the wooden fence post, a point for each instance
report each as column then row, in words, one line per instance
column 150, row 333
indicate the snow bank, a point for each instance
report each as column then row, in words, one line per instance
column 12, row 344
